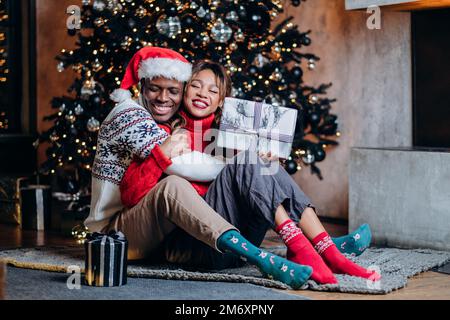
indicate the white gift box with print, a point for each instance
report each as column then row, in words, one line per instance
column 257, row 126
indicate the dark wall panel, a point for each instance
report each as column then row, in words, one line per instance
column 431, row 72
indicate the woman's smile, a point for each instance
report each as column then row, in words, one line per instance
column 200, row 103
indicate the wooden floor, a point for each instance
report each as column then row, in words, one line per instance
column 428, row 285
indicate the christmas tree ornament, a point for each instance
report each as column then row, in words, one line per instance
column 70, row 117
column 319, row 154
column 311, row 64
column 98, row 22
column 141, row 12
column 62, row 108
column 314, row 118
column 276, row 101
column 276, row 48
column 232, row 16
column 293, row 95
column 306, row 40
column 99, row 5
column 114, row 6
column 88, row 88
column 297, row 73
column 252, row 70
column 242, row 12
column 188, row 20
column 193, row 6
column 290, row 166
column 80, row 232
column 210, row 16
column 60, row 66
column 168, row 26
column 93, row 125
column 239, row 35
column 220, row 32
column 233, row 46
column 308, row 158
column 204, row 38
column 131, row 23
column 260, row 60
column 215, row 3
column 95, row 99
column 276, row 75
column 96, row 66
column 313, row 99
column 78, row 110
column 54, row 136
column 201, row 12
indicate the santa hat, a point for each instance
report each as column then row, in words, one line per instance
column 152, row 62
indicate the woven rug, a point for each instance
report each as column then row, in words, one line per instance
column 395, row 265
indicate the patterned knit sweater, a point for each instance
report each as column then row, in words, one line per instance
column 128, row 132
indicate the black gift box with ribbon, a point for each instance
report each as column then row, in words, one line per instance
column 106, row 259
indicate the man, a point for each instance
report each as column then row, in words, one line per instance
column 131, row 130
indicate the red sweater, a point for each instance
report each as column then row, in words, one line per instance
column 142, row 175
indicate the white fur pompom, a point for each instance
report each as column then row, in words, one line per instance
column 120, row 95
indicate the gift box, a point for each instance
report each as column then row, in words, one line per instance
column 257, row 126
column 35, row 203
column 68, row 211
column 10, row 210
column 2, row 279
column 106, row 259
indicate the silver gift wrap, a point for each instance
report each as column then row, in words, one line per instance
column 256, row 126
column 106, row 259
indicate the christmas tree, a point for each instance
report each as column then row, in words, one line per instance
column 264, row 62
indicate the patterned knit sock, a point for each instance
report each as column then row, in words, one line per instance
column 356, row 242
column 271, row 265
column 337, row 262
column 300, row 250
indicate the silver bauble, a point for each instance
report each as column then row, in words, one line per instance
column 168, row 26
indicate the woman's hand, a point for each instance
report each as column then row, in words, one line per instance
column 177, row 144
column 268, row 156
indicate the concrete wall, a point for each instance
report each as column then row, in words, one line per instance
column 403, row 195
column 371, row 75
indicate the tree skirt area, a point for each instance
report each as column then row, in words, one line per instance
column 395, row 266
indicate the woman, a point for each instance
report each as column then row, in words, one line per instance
column 242, row 195
column 166, row 204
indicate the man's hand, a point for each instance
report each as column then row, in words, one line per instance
column 177, row 144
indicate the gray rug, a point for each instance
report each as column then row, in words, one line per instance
column 395, row 265
column 25, row 284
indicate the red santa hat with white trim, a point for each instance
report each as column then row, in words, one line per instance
column 152, row 62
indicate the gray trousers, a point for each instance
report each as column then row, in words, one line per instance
column 246, row 193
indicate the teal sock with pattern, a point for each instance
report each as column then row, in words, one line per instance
column 356, row 242
column 273, row 266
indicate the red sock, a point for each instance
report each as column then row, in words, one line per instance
column 300, row 250
column 337, row 262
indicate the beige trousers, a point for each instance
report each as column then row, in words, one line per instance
column 172, row 203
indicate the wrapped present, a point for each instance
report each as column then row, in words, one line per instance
column 10, row 210
column 35, row 203
column 69, row 210
column 106, row 259
column 2, row 279
column 257, row 126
